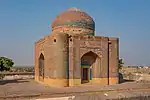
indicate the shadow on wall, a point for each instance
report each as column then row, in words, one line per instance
column 4, row 82
column 122, row 80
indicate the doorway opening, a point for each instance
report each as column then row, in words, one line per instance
column 87, row 63
column 85, row 75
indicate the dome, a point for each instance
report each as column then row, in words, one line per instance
column 74, row 18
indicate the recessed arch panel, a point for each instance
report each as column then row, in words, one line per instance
column 87, row 63
column 41, row 66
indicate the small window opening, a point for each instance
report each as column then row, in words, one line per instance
column 54, row 40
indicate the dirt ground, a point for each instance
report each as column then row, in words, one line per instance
column 30, row 89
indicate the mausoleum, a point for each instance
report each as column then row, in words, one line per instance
column 72, row 55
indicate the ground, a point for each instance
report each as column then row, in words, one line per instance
column 23, row 89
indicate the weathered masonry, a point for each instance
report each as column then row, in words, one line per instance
column 72, row 54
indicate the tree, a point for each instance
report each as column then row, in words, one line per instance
column 120, row 63
column 5, row 63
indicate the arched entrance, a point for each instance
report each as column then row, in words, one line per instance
column 87, row 63
column 41, row 67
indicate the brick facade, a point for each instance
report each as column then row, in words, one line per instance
column 64, row 48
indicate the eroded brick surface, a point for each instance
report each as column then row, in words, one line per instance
column 72, row 38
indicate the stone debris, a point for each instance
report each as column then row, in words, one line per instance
column 105, row 94
column 18, row 77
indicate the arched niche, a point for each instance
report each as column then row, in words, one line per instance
column 41, row 66
column 88, row 61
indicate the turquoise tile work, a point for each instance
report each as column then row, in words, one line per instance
column 89, row 24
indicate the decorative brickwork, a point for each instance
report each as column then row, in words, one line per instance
column 72, row 55
column 74, row 21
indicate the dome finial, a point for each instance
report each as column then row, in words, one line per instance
column 74, row 9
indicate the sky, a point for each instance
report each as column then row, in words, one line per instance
column 22, row 22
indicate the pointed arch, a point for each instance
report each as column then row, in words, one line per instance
column 83, row 52
column 41, row 56
column 88, row 58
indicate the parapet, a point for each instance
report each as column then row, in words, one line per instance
column 113, row 38
column 42, row 40
column 50, row 36
column 82, row 37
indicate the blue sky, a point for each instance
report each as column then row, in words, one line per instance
column 22, row 22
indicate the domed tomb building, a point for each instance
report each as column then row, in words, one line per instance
column 72, row 55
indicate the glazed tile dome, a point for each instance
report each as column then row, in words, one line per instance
column 74, row 17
